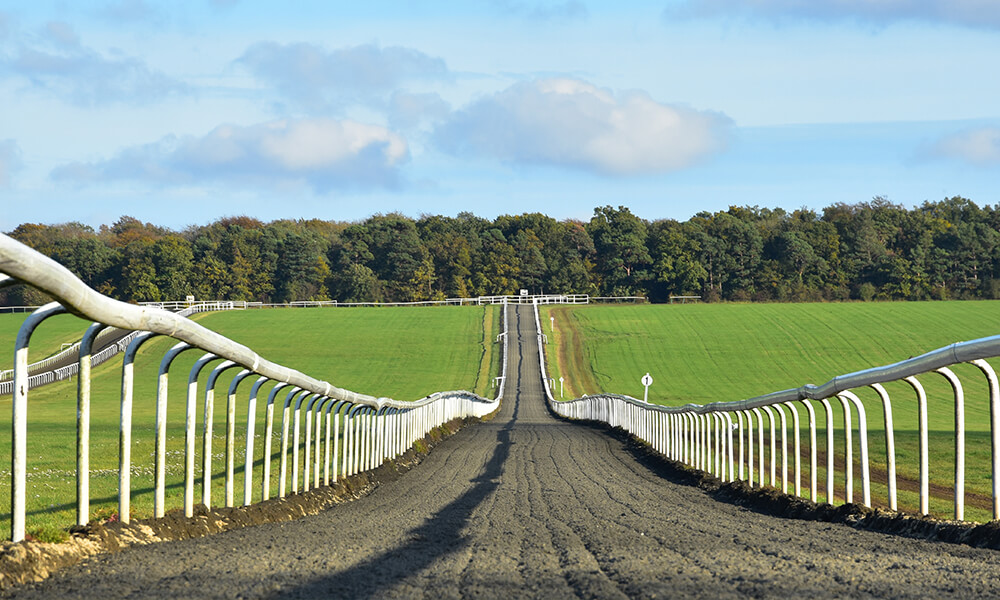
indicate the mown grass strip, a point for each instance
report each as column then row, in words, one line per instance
column 46, row 341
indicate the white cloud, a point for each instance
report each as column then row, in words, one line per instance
column 971, row 13
column 57, row 61
column 568, row 122
column 318, row 80
column 10, row 161
column 980, row 147
column 322, row 153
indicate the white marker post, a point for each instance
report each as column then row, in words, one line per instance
column 647, row 381
column 560, row 387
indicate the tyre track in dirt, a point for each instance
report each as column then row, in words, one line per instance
column 527, row 505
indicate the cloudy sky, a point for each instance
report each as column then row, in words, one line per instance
column 182, row 112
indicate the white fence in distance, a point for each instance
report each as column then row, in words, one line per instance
column 58, row 374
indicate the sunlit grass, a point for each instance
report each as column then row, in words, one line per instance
column 722, row 352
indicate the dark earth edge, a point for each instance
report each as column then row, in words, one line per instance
column 32, row 561
column 771, row 502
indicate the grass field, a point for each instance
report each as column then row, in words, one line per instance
column 719, row 352
column 46, row 341
column 403, row 353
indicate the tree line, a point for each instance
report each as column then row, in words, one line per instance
column 865, row 251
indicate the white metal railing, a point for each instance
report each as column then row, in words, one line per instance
column 182, row 305
column 477, row 301
column 16, row 309
column 361, row 431
column 720, row 437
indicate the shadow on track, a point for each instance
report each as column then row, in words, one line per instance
column 439, row 536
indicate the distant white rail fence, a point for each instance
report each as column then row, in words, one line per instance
column 719, row 438
column 361, row 431
column 477, row 301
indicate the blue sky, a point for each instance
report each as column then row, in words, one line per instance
column 183, row 112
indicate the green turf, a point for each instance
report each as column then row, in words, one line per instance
column 45, row 341
column 722, row 352
column 404, row 353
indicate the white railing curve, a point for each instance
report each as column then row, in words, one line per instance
column 361, row 431
column 720, row 437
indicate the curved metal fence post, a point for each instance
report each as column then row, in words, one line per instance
column 357, row 441
column 699, row 441
column 991, row 378
column 702, row 444
column 687, row 440
column 922, row 427
column 673, row 442
column 750, row 462
column 720, row 461
column 286, row 417
column 956, row 387
column 706, row 442
column 364, row 453
column 346, row 442
column 160, row 456
column 206, row 453
column 813, row 493
column 231, row 437
column 739, row 420
column 83, row 423
column 866, row 493
column 307, row 445
column 265, row 473
column 125, row 429
column 708, row 421
column 380, row 416
column 339, row 440
column 760, row 447
column 784, row 447
column 248, row 451
column 190, row 422
column 318, row 451
column 19, row 418
column 729, row 444
column 848, row 451
column 797, row 447
column 773, row 462
column 332, row 433
column 828, row 413
column 890, row 443
column 296, row 432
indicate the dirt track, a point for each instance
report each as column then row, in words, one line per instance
column 528, row 506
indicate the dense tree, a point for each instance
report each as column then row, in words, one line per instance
column 622, row 256
column 870, row 250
